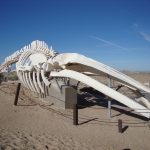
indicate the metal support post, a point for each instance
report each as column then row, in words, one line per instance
column 109, row 108
column 75, row 114
column 120, row 126
column 109, row 101
column 17, row 94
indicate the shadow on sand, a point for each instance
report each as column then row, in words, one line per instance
column 89, row 97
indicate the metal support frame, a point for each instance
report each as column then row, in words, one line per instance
column 75, row 114
column 17, row 94
column 109, row 101
column 120, row 126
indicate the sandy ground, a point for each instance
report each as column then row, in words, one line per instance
column 34, row 124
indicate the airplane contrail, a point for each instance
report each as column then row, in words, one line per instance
column 108, row 42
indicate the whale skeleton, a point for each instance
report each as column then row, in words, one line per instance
column 38, row 66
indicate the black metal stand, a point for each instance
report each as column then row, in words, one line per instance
column 109, row 109
column 120, row 126
column 75, row 114
column 17, row 94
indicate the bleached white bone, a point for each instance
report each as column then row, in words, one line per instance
column 27, row 81
column 103, row 89
column 47, row 83
column 40, row 62
column 144, row 101
column 30, row 82
column 64, row 59
column 39, row 82
column 35, row 82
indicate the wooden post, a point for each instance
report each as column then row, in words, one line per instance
column 75, row 114
column 17, row 94
column 120, row 126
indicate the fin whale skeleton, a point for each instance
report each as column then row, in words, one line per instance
column 37, row 65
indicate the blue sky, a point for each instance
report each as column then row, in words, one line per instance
column 115, row 32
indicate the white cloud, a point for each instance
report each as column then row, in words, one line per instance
column 108, row 42
column 145, row 36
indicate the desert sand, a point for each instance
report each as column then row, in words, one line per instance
column 36, row 124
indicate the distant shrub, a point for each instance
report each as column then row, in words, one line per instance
column 13, row 76
column 1, row 77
